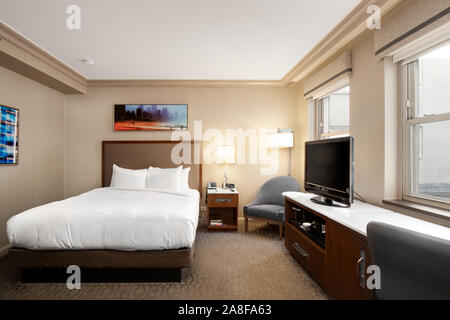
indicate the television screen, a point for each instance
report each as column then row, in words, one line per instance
column 329, row 168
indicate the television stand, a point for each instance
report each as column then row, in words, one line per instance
column 334, row 255
column 334, row 248
column 327, row 202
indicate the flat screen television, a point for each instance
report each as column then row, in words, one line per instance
column 329, row 170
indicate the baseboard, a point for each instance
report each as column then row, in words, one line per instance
column 4, row 250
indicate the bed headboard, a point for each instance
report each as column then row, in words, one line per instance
column 142, row 154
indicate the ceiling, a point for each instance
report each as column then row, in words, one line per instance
column 178, row 39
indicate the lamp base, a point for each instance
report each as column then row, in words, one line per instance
column 224, row 182
column 225, row 179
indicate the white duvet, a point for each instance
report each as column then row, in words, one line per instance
column 109, row 218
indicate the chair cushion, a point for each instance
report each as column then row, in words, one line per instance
column 266, row 211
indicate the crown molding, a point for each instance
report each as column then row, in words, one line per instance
column 27, row 58
column 187, row 83
column 353, row 25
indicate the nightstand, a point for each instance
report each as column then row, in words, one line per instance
column 222, row 209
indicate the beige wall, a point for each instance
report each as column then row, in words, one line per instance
column 38, row 178
column 89, row 120
column 301, row 133
column 367, row 120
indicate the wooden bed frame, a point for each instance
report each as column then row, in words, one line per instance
column 128, row 154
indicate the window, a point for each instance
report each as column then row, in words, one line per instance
column 426, row 127
column 333, row 114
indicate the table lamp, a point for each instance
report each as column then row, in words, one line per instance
column 225, row 155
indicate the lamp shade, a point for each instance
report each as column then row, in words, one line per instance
column 281, row 140
column 225, row 155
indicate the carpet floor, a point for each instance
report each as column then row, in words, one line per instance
column 227, row 265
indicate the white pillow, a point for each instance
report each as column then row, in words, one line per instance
column 127, row 178
column 184, row 179
column 164, row 179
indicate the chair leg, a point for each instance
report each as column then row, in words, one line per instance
column 281, row 231
column 246, row 224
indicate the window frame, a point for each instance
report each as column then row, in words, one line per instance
column 409, row 99
column 319, row 121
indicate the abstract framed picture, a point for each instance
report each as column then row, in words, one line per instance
column 150, row 117
column 9, row 135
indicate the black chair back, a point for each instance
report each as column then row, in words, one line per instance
column 413, row 265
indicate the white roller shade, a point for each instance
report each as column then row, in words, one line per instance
column 330, row 78
column 409, row 25
column 337, row 83
column 439, row 36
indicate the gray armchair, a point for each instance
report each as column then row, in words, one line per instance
column 269, row 203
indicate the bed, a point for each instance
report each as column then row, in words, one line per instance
column 114, row 228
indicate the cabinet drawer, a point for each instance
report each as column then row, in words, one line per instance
column 306, row 252
column 222, row 200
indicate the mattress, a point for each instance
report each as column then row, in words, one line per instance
column 110, row 218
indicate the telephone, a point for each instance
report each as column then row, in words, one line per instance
column 212, row 185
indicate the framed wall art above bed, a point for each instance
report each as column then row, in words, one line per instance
column 150, row 117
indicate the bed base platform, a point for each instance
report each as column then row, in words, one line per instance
column 102, row 265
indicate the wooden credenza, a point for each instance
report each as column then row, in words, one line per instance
column 337, row 256
column 334, row 255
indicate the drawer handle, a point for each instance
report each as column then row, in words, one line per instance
column 295, row 209
column 360, row 268
column 222, row 200
column 300, row 250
